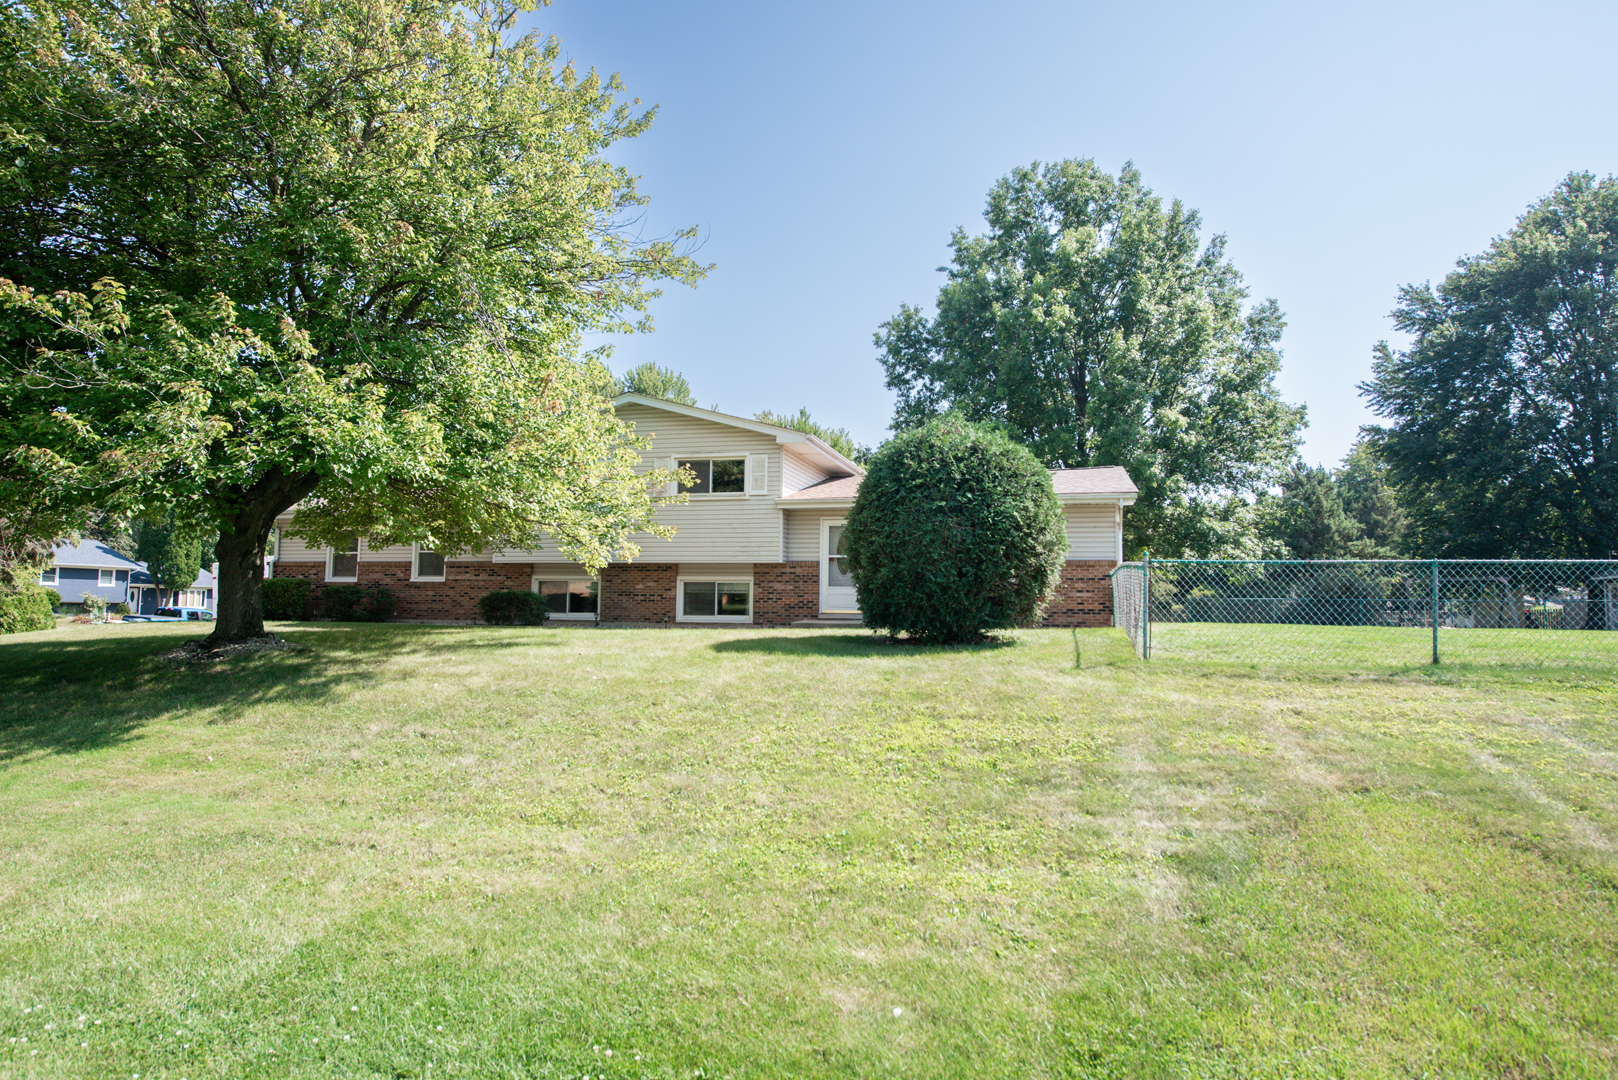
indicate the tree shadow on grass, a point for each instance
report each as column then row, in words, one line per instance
column 64, row 695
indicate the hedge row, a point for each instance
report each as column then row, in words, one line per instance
column 25, row 609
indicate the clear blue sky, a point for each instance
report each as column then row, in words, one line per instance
column 827, row 150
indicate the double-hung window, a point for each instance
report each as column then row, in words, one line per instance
column 577, row 599
column 343, row 561
column 716, row 476
column 105, row 577
column 426, row 564
column 716, row 601
column 47, row 576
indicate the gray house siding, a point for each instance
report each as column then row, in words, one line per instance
column 72, row 582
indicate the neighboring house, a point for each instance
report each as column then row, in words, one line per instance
column 90, row 567
column 757, row 542
column 148, row 597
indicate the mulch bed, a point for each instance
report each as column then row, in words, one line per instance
column 197, row 651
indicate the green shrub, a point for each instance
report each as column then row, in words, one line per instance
column 94, row 606
column 513, row 607
column 350, row 603
column 956, row 530
column 286, row 598
column 25, row 609
column 120, row 608
column 54, row 597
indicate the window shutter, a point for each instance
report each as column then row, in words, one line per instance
column 758, row 474
column 673, row 486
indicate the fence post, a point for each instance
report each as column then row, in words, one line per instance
column 1146, row 605
column 1435, row 611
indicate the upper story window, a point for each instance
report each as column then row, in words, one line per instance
column 105, row 577
column 426, row 564
column 47, row 576
column 343, row 563
column 716, row 476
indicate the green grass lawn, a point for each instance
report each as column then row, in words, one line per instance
column 434, row 851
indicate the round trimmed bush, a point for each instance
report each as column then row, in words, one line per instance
column 956, row 530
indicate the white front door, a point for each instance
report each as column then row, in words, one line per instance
column 836, row 587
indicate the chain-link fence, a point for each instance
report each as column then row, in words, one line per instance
column 1508, row 611
column 1129, row 603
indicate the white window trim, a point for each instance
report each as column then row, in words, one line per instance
column 569, row 616
column 331, row 553
column 679, row 600
column 112, row 574
column 706, row 495
column 55, row 578
column 415, row 553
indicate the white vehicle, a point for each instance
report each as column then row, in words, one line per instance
column 174, row 614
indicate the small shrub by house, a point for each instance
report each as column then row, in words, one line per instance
column 513, row 607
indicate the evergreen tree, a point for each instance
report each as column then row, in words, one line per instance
column 837, row 438
column 1371, row 500
column 657, row 382
column 171, row 551
column 1311, row 522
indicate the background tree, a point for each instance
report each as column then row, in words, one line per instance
column 956, row 530
column 171, row 550
column 837, row 438
column 1370, row 499
column 1310, row 521
column 331, row 254
column 1503, row 413
column 1094, row 326
column 657, row 382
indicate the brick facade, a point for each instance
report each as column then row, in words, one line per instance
column 455, row 598
column 638, row 593
column 785, row 592
column 646, row 593
column 1084, row 597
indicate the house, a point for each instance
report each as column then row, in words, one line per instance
column 756, row 544
column 148, row 597
column 90, row 566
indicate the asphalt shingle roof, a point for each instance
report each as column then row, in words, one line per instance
column 1099, row 480
column 91, row 553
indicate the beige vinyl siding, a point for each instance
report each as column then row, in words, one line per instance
column 559, row 571
column 798, row 474
column 1092, row 530
column 719, row 528
column 803, row 532
column 722, row 571
column 295, row 549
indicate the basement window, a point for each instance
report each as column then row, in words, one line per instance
column 425, row 564
column 343, row 561
column 715, row 601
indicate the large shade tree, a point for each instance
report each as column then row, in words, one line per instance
column 332, row 254
column 1092, row 323
column 1502, row 431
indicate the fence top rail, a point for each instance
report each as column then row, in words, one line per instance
column 1378, row 562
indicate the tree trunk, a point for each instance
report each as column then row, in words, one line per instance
column 243, row 537
column 1079, row 379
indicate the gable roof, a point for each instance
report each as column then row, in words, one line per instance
column 91, row 554
column 1106, row 482
column 784, row 435
column 143, row 577
column 1096, row 480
